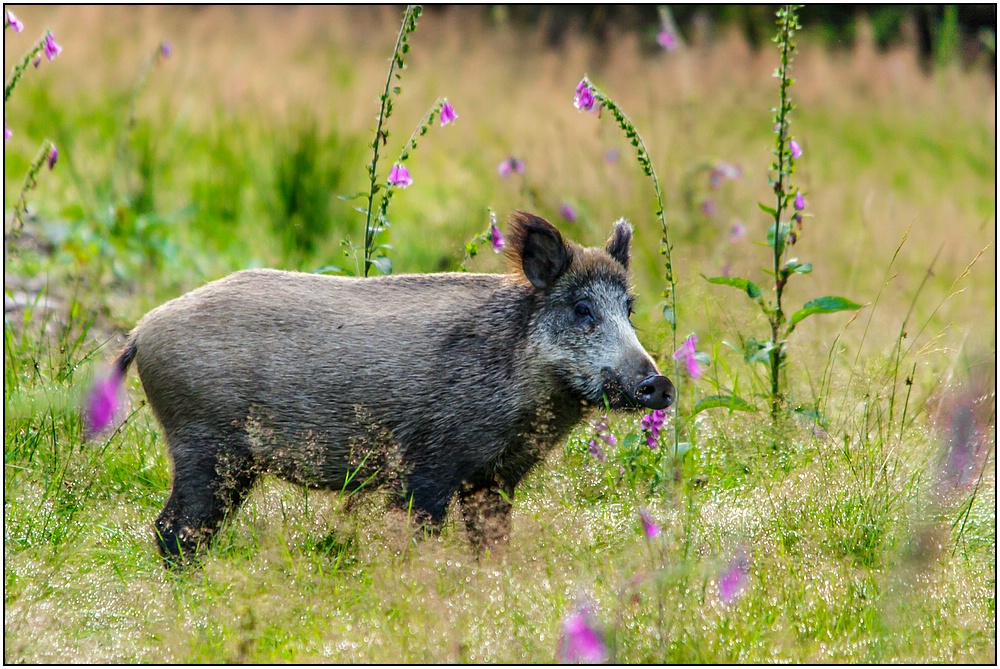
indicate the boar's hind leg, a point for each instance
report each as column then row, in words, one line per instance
column 212, row 474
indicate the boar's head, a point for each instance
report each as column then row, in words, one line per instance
column 580, row 327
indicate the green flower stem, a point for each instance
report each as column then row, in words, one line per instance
column 21, row 207
column 642, row 154
column 385, row 111
column 19, row 69
column 380, row 220
column 787, row 23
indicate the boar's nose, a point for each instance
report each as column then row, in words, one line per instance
column 655, row 392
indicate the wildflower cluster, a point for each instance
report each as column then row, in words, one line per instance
column 652, row 423
column 602, row 433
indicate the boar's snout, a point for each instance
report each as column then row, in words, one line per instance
column 655, row 392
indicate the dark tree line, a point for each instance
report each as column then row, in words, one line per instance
column 943, row 33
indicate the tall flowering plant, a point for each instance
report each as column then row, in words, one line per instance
column 376, row 220
column 785, row 231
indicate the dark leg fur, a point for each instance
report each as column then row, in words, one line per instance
column 487, row 516
column 210, row 482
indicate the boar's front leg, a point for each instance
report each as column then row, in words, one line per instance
column 486, row 500
column 486, row 511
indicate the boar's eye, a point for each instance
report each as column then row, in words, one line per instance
column 584, row 311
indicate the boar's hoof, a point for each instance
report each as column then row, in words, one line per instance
column 655, row 392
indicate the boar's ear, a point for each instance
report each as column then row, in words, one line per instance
column 537, row 249
column 620, row 242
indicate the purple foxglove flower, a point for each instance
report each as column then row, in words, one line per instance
column 612, row 156
column 584, row 96
column 730, row 171
column 37, row 61
column 651, row 441
column 961, row 441
column 51, row 48
column 646, row 422
column 659, row 416
column 792, row 238
column 715, row 179
column 581, row 641
column 795, row 149
column 708, row 208
column 53, row 157
column 399, row 176
column 103, row 402
column 14, row 23
column 733, row 578
column 649, row 526
column 737, row 232
column 166, row 49
column 595, row 451
column 567, row 213
column 496, row 238
column 800, row 201
column 7, row 132
column 667, row 40
column 797, row 217
column 509, row 165
column 447, row 114
column 687, row 353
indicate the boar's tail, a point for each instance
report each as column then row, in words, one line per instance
column 125, row 358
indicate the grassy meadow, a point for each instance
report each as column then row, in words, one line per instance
column 866, row 516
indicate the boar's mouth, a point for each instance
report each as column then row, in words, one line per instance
column 653, row 392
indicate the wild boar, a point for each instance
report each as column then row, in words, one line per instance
column 441, row 384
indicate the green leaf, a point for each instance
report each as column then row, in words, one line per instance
column 730, row 402
column 383, row 264
column 793, row 265
column 357, row 196
column 668, row 314
column 747, row 286
column 329, row 269
column 778, row 244
column 822, row 305
column 757, row 351
column 767, row 210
